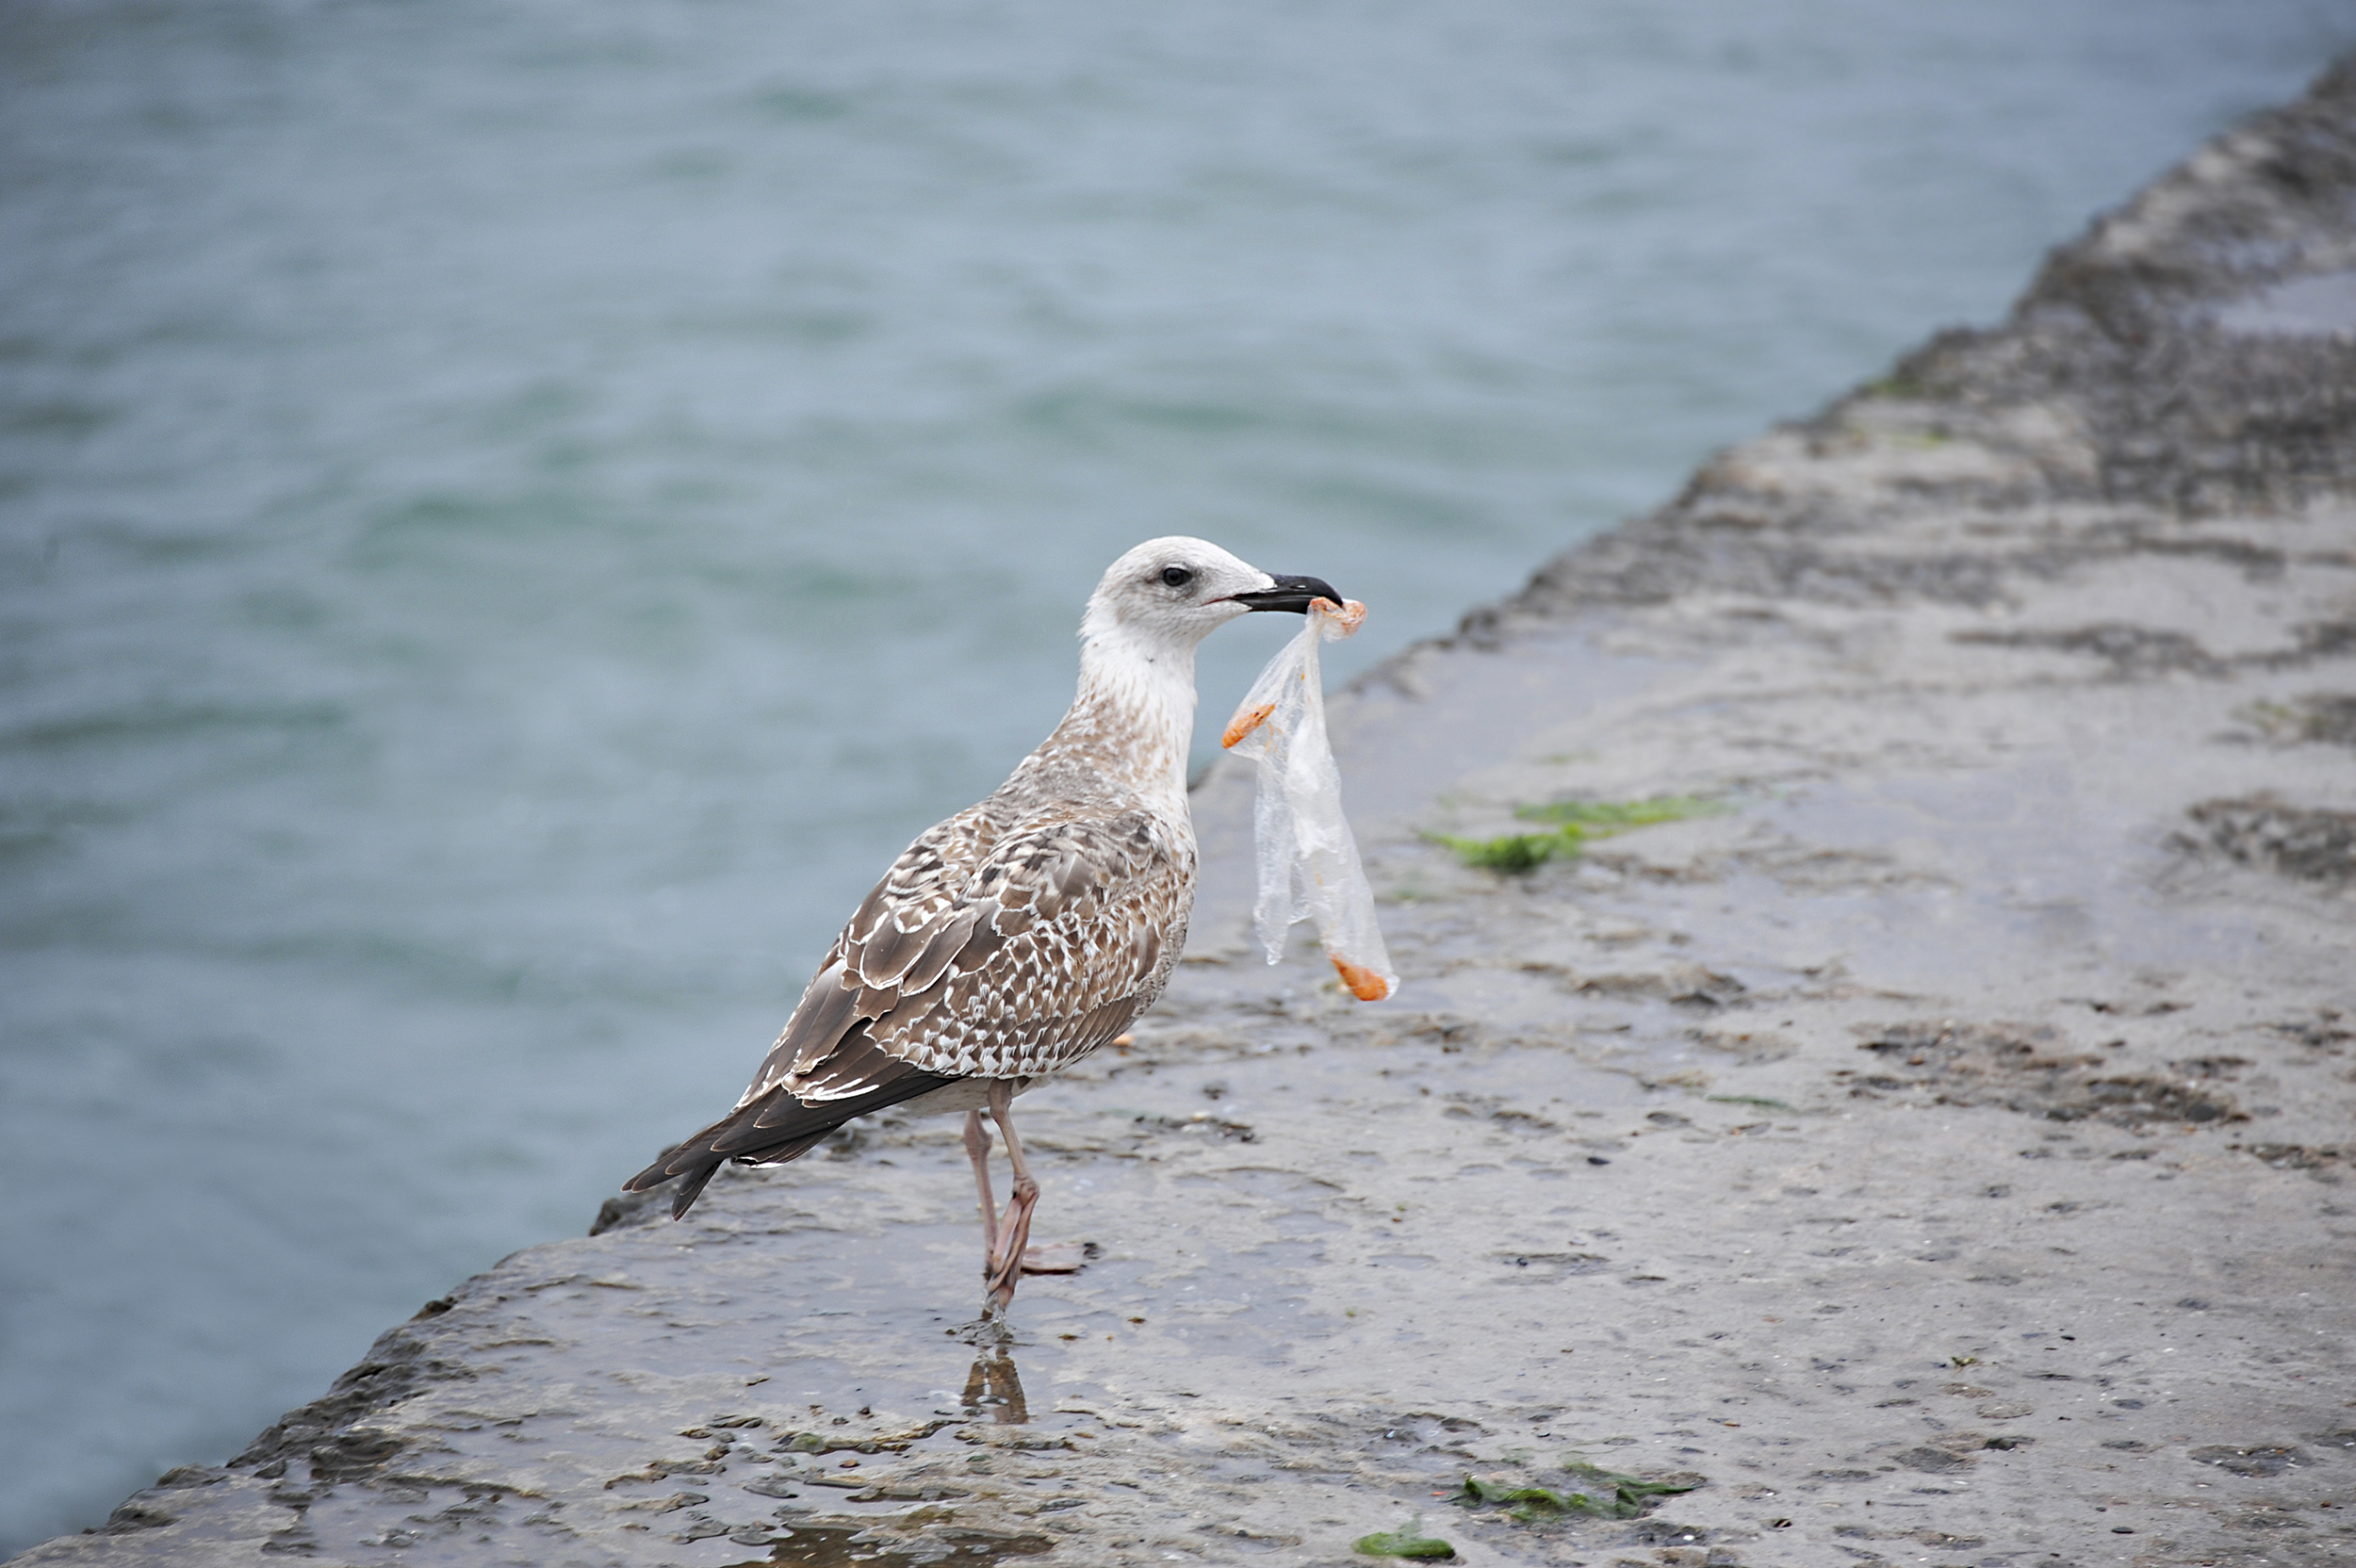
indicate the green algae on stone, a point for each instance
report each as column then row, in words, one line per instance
column 1575, row 822
column 1512, row 852
column 1599, row 817
column 1530, row 1503
column 1408, row 1542
column 1614, row 1495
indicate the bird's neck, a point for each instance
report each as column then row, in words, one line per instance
column 1133, row 719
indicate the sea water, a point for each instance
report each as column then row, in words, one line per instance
column 511, row 514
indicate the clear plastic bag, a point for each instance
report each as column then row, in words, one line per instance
column 1309, row 865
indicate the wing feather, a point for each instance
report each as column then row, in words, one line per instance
column 886, row 953
column 951, row 940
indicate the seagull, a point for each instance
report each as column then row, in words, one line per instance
column 1014, row 938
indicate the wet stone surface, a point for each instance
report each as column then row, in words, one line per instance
column 1939, row 1153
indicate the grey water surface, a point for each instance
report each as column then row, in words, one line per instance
column 511, row 513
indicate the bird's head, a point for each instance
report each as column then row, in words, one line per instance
column 1171, row 593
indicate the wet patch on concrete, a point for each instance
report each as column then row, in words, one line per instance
column 811, row 1545
column 2030, row 1070
column 2325, row 1163
column 2311, row 843
column 2133, row 652
column 2327, row 718
column 2266, row 1459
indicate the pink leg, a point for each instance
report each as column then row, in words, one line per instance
column 1014, row 1231
column 977, row 1150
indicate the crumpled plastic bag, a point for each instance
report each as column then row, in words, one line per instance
column 1309, row 865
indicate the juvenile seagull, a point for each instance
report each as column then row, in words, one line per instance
column 1012, row 940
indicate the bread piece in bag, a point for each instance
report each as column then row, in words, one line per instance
column 1309, row 865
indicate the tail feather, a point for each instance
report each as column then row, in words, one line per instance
column 690, row 1189
column 793, row 1129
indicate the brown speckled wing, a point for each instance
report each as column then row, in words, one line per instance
column 993, row 954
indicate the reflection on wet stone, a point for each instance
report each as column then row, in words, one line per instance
column 995, row 1387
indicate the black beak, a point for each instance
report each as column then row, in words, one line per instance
column 1291, row 593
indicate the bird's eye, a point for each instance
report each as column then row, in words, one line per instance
column 1176, row 577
